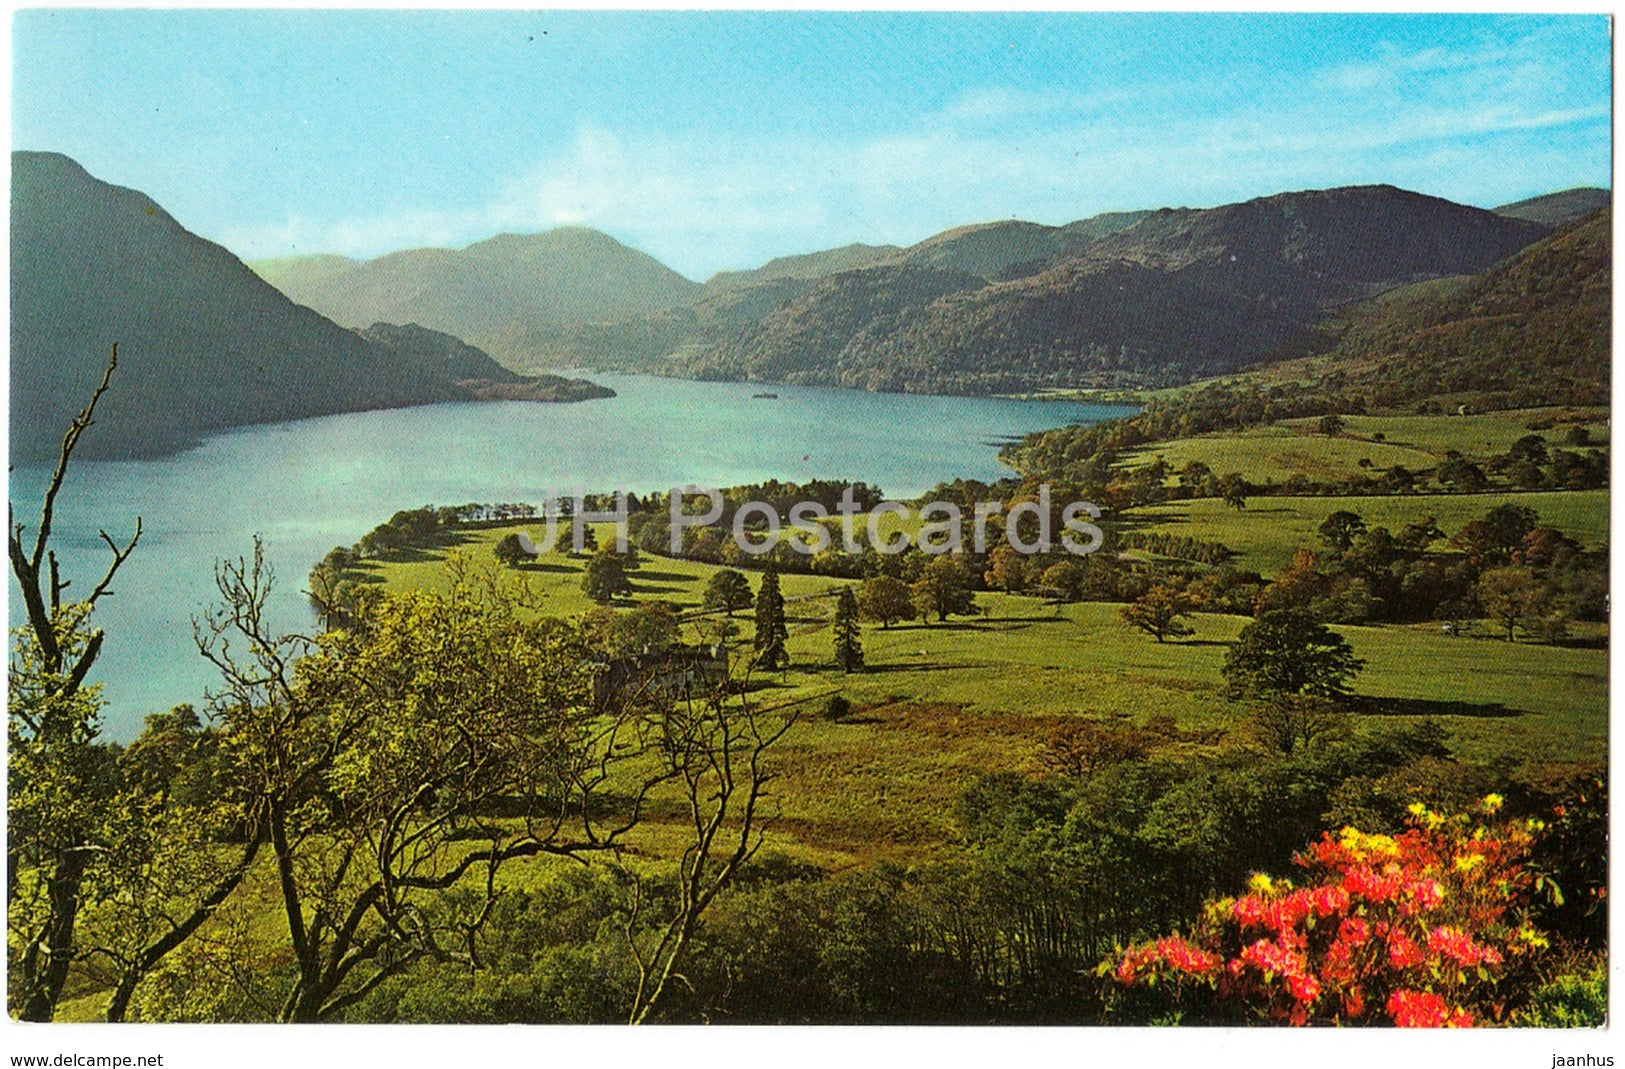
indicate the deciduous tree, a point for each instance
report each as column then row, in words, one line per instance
column 727, row 590
column 884, row 599
column 943, row 588
column 61, row 779
column 1159, row 612
column 1287, row 652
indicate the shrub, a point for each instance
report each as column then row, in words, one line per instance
column 1418, row 929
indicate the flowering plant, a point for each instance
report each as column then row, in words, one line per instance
column 1413, row 929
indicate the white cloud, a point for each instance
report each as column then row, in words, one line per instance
column 704, row 203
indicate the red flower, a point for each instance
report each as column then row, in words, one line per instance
column 1329, row 900
column 1354, row 931
column 1304, row 988
column 1456, row 944
column 1416, row 1009
column 1249, row 911
column 1272, row 957
column 1403, row 951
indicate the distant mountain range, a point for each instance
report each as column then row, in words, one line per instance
column 1127, row 298
column 204, row 343
column 564, row 277
column 1135, row 298
column 1175, row 295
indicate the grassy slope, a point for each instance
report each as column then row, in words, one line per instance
column 1270, row 529
column 941, row 703
column 1292, row 447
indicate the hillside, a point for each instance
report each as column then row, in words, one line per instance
column 1559, row 209
column 204, row 343
column 1011, row 248
column 1533, row 330
column 454, row 357
column 474, row 370
column 732, row 304
column 805, row 339
column 811, row 265
column 482, row 293
column 1179, row 294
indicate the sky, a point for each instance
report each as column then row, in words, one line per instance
column 718, row 140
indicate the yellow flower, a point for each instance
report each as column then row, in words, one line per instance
column 1261, row 883
column 1493, row 803
column 1469, row 862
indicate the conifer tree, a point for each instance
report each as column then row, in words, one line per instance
column 848, row 643
column 771, row 632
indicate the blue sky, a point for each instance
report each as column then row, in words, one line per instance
column 719, row 140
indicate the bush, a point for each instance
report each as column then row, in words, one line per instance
column 1417, row 929
column 1572, row 1000
column 837, row 708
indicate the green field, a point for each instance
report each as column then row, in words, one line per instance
column 941, row 703
column 1277, row 452
column 1480, row 436
column 1270, row 529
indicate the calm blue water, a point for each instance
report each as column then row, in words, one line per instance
column 311, row 485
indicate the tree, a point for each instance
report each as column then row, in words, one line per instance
column 728, row 590
column 848, row 641
column 1080, row 748
column 1531, row 448
column 944, row 588
column 1233, row 489
column 771, row 631
column 717, row 757
column 604, row 579
column 1418, row 535
column 1287, row 652
column 1158, row 612
column 1493, row 539
column 1462, row 474
column 1293, row 723
column 1341, row 528
column 511, row 551
column 1331, row 426
column 884, row 599
column 1511, row 596
column 631, row 632
column 409, row 758
column 1006, row 570
column 61, row 780
column 1067, row 580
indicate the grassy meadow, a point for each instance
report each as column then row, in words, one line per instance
column 940, row 703
column 1269, row 530
column 1369, row 444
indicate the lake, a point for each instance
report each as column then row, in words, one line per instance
column 313, row 484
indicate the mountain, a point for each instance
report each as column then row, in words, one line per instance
column 473, row 369
column 203, row 342
column 811, row 265
column 734, row 303
column 457, row 359
column 1012, row 248
column 1178, row 294
column 801, row 340
column 1532, row 330
column 1559, row 209
column 484, row 292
